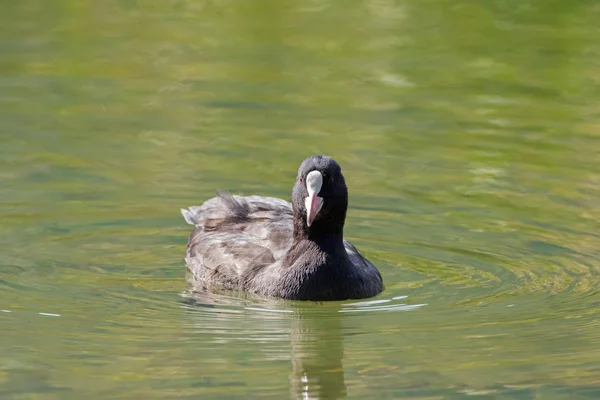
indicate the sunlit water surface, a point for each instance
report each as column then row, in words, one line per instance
column 469, row 134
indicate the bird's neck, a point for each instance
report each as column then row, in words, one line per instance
column 321, row 232
column 332, row 242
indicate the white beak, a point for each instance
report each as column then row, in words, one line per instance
column 313, row 203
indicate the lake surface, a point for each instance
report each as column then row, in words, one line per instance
column 469, row 135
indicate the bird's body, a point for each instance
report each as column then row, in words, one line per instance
column 270, row 247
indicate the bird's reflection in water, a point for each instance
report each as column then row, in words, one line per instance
column 314, row 332
column 317, row 353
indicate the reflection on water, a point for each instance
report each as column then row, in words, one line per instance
column 312, row 336
column 317, row 353
column 313, row 333
column 381, row 305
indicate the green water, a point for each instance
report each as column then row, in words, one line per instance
column 469, row 134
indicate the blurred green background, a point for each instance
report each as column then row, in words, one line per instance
column 469, row 135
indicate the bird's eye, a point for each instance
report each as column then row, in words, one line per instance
column 301, row 181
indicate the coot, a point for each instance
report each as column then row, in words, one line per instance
column 270, row 247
